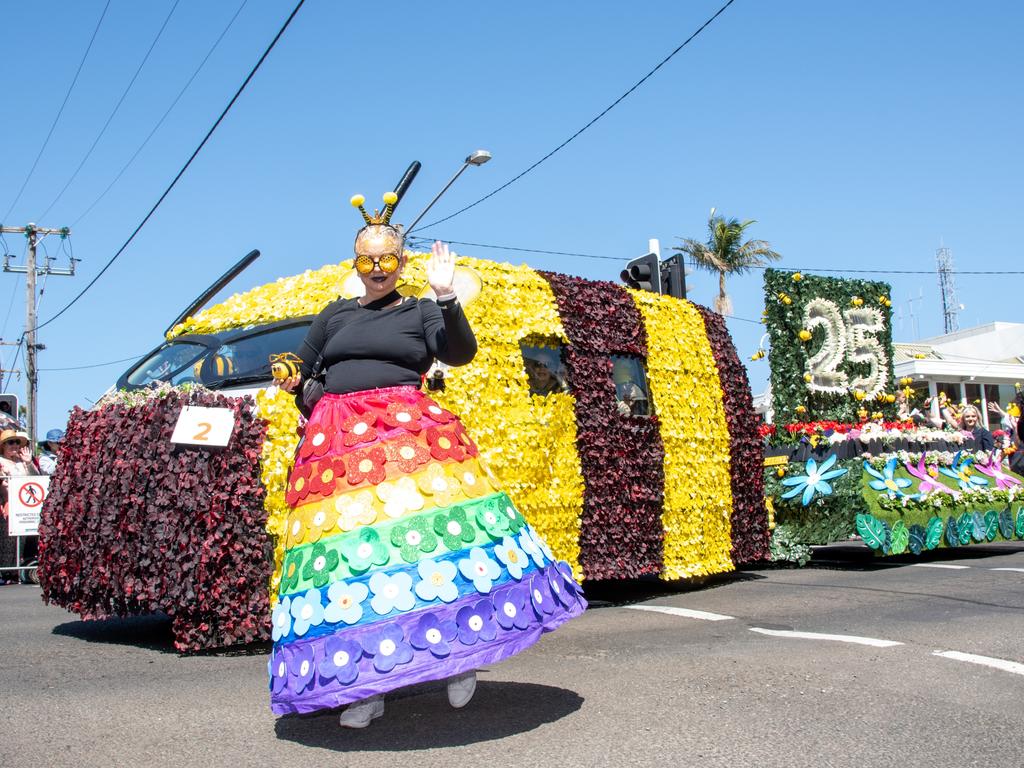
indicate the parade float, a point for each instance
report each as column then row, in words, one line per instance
column 839, row 462
column 667, row 486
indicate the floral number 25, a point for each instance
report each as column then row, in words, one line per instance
column 849, row 336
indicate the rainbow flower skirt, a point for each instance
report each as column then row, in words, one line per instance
column 405, row 562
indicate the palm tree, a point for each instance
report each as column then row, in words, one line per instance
column 726, row 254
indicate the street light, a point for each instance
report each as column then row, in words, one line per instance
column 479, row 157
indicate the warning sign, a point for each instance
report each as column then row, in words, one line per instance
column 26, row 495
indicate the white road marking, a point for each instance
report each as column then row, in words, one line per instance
column 873, row 641
column 940, row 565
column 1015, row 570
column 688, row 613
column 1007, row 666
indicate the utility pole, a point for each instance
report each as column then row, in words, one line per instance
column 34, row 234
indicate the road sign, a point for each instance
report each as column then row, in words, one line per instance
column 26, row 495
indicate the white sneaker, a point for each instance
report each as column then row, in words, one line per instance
column 461, row 689
column 361, row 713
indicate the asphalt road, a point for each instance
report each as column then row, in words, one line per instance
column 621, row 686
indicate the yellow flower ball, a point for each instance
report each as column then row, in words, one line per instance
column 805, row 335
column 801, row 409
column 780, row 472
column 797, row 277
column 890, row 398
column 856, row 301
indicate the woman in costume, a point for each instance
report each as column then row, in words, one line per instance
column 404, row 562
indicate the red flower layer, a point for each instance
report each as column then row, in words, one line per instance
column 622, row 458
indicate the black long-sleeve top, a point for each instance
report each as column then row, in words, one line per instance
column 372, row 347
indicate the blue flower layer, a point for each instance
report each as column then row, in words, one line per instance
column 464, row 585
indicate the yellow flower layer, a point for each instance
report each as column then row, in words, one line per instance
column 529, row 441
column 687, row 397
column 278, row 409
column 437, row 486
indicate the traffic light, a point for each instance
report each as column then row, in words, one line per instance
column 9, row 406
column 643, row 273
column 673, row 277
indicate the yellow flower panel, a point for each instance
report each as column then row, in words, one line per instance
column 687, row 397
column 529, row 441
column 278, row 409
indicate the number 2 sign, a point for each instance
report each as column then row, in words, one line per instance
column 198, row 425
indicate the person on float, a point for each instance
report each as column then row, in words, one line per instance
column 404, row 561
column 970, row 421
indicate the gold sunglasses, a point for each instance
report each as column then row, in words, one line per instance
column 387, row 263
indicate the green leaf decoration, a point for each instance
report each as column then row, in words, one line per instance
column 916, row 538
column 965, row 524
column 887, row 545
column 977, row 526
column 898, row 538
column 1006, row 524
column 872, row 531
column 1020, row 522
column 933, row 535
column 952, row 532
column 991, row 525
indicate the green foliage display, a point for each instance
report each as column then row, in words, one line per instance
column 890, row 525
column 787, row 295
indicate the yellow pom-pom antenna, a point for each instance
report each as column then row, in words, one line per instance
column 390, row 198
column 357, row 202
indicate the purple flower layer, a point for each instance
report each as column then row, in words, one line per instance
column 424, row 645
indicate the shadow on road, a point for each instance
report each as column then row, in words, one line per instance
column 611, row 593
column 856, row 556
column 152, row 632
column 423, row 719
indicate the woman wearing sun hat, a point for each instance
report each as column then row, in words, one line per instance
column 15, row 461
column 404, row 562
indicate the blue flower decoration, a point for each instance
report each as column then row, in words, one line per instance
column 512, row 557
column 815, row 481
column 278, row 670
column 388, row 648
column 540, row 595
column 339, row 661
column 280, row 619
column 480, row 569
column 434, row 635
column 345, row 602
column 510, row 608
column 437, row 581
column 961, row 472
column 391, row 593
column 307, row 611
column 301, row 667
column 531, row 545
column 476, row 622
column 885, row 481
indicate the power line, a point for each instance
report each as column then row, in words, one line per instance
column 117, row 107
column 164, row 117
column 184, row 168
column 59, row 111
column 605, row 111
column 93, row 365
column 417, row 241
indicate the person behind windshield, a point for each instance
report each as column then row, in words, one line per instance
column 541, row 372
column 404, row 561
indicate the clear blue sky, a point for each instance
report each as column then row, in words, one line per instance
column 857, row 134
